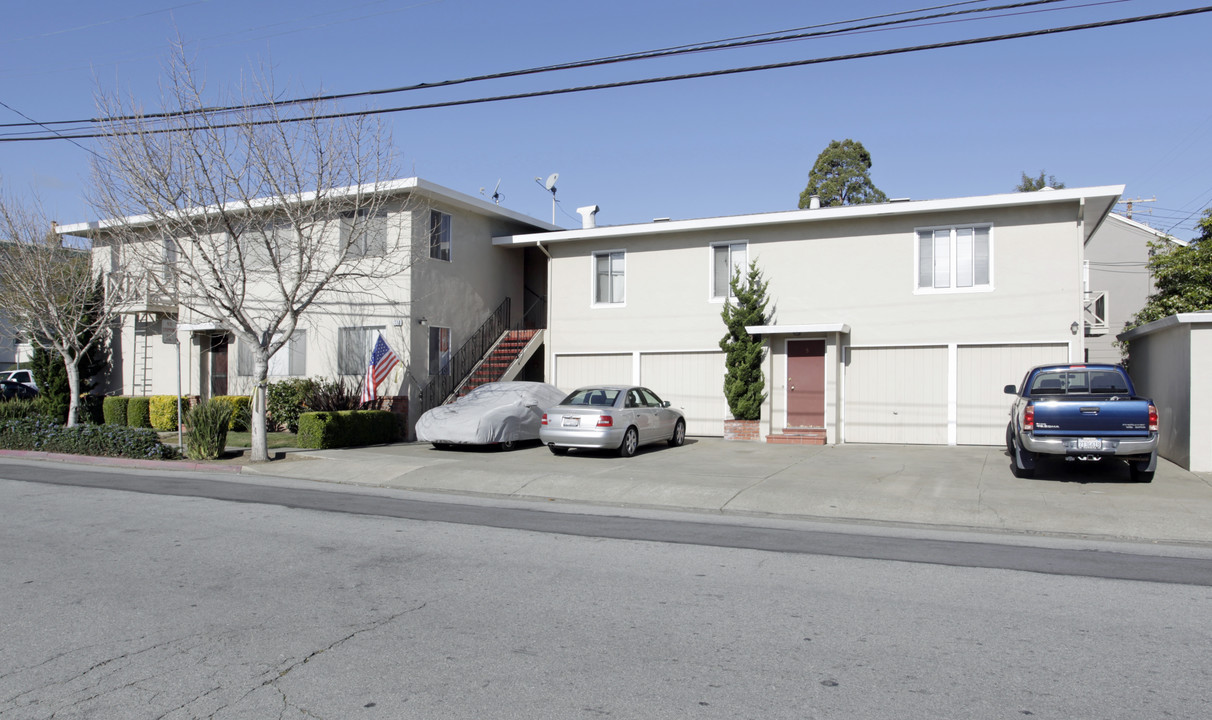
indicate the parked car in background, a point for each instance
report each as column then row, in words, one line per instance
column 608, row 417
column 502, row 413
column 10, row 390
column 1081, row 412
column 25, row 377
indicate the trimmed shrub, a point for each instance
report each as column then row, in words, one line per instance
column 104, row 440
column 90, row 409
column 138, row 412
column 38, row 407
column 207, row 425
column 241, row 411
column 285, row 401
column 113, row 410
column 348, row 428
column 162, row 411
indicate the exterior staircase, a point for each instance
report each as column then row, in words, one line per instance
column 504, row 361
column 798, row 436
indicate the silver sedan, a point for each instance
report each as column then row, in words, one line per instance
column 608, row 417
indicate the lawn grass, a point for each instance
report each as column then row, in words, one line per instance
column 272, row 440
column 244, row 439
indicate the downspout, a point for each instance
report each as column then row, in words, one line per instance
column 1081, row 295
column 548, row 359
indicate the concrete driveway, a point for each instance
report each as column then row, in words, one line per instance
column 950, row 487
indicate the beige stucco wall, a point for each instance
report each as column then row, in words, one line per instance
column 1167, row 362
column 857, row 271
column 1118, row 254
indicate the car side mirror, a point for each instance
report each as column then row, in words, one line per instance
column 1010, row 390
column 665, row 403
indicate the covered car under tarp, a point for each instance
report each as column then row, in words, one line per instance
column 503, row 412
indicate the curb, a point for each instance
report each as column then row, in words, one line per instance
column 121, row 462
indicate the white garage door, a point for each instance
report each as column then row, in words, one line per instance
column 693, row 383
column 574, row 371
column 896, row 395
column 983, row 371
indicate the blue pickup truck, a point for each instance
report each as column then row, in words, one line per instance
column 1081, row 412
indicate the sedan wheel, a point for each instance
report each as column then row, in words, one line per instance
column 679, row 434
column 631, row 441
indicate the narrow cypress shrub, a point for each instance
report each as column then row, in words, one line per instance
column 744, row 385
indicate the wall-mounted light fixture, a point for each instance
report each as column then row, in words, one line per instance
column 423, row 322
column 1072, row 328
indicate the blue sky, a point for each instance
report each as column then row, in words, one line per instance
column 1096, row 107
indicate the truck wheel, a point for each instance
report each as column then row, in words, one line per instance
column 1138, row 472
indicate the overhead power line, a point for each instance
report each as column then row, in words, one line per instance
column 642, row 81
column 731, row 43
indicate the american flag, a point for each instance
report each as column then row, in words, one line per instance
column 382, row 360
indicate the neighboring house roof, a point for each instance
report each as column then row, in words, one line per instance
column 1129, row 222
column 402, row 186
column 1098, row 201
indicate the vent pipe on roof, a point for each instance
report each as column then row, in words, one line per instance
column 814, row 202
column 587, row 216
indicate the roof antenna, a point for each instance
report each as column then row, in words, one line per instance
column 496, row 192
column 551, row 186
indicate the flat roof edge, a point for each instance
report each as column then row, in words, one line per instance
column 1190, row 318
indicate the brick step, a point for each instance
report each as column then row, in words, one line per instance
column 798, row 436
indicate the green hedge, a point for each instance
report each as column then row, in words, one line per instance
column 162, row 411
column 113, row 409
column 138, row 412
column 104, row 440
column 241, row 410
column 347, row 428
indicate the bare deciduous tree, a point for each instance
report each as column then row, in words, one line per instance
column 247, row 217
column 49, row 292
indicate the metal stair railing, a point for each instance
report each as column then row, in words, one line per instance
column 466, row 358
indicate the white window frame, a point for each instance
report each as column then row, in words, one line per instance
column 952, row 272
column 289, row 361
column 368, row 340
column 715, row 294
column 593, row 279
column 373, row 240
column 445, row 229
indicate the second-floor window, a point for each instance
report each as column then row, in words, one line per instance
column 609, row 278
column 365, row 233
column 954, row 259
column 439, row 235
column 726, row 260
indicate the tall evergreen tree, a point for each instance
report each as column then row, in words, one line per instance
column 744, row 386
column 48, row 368
column 841, row 175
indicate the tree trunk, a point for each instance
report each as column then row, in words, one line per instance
column 260, row 443
column 73, row 388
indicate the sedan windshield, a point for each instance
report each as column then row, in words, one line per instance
column 598, row 397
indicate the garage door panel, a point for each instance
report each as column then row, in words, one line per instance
column 896, row 395
column 693, row 383
column 574, row 371
column 983, row 371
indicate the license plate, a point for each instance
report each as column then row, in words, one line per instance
column 572, row 422
column 1089, row 444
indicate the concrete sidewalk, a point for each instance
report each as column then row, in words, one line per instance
column 968, row 488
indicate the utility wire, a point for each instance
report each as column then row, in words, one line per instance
column 725, row 44
column 643, row 81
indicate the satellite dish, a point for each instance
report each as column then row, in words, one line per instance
column 551, row 181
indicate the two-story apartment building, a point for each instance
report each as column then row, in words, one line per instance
column 899, row 322
column 455, row 280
